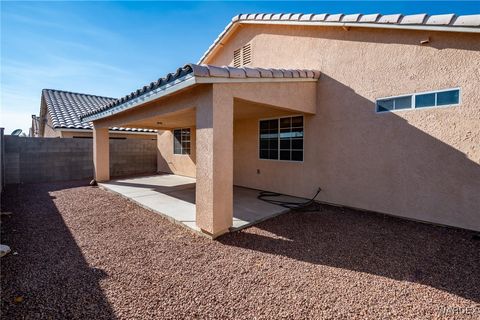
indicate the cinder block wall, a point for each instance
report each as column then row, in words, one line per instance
column 30, row 160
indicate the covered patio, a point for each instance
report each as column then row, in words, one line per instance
column 173, row 197
column 198, row 113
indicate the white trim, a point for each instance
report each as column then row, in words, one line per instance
column 278, row 118
column 180, row 84
column 415, row 94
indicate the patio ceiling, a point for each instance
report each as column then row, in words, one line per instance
column 186, row 117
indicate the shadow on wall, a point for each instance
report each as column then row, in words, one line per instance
column 442, row 258
column 381, row 162
column 176, row 165
column 50, row 269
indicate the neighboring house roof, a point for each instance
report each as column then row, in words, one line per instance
column 65, row 109
column 192, row 74
column 442, row 22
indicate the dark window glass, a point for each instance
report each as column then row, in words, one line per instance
column 181, row 141
column 268, row 139
column 263, row 153
column 297, row 144
column 297, row 155
column 264, row 125
column 285, row 122
column 384, row 105
column 273, row 154
column 297, row 122
column 285, row 155
column 403, row 103
column 284, row 133
column 448, row 97
column 425, row 100
column 285, row 144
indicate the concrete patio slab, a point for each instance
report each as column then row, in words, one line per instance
column 173, row 197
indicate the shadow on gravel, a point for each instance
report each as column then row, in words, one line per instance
column 49, row 272
column 439, row 257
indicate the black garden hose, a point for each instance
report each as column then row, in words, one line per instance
column 306, row 206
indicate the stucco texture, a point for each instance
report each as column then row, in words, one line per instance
column 419, row 164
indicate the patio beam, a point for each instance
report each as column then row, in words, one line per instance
column 101, row 154
column 214, row 156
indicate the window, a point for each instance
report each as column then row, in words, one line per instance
column 242, row 56
column 181, row 141
column 281, row 139
column 449, row 97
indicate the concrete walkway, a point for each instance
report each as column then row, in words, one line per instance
column 173, row 197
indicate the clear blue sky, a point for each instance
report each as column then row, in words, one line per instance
column 112, row 48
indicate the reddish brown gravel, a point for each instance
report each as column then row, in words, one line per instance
column 84, row 253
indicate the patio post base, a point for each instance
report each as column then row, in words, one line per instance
column 214, row 235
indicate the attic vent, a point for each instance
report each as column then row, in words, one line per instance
column 247, row 54
column 242, row 56
column 237, row 58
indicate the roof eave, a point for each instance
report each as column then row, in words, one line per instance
column 232, row 26
column 116, row 131
column 181, row 84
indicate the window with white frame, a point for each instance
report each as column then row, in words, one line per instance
column 281, row 139
column 181, row 141
column 441, row 98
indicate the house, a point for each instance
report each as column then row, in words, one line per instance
column 60, row 113
column 381, row 112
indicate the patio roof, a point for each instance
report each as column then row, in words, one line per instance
column 192, row 74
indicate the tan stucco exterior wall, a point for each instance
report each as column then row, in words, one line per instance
column 419, row 164
column 169, row 162
column 49, row 131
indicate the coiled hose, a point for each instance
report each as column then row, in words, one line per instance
column 306, row 206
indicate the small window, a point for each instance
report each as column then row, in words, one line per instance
column 281, row 139
column 181, row 141
column 394, row 104
column 425, row 100
column 448, row 97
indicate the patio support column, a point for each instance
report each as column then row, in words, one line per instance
column 214, row 163
column 101, row 154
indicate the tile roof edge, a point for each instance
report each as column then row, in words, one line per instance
column 77, row 93
column 471, row 21
column 192, row 70
column 116, row 129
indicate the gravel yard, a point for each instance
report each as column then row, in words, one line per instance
column 83, row 252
